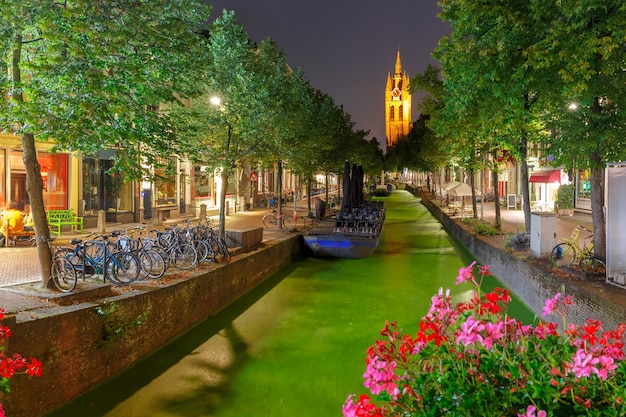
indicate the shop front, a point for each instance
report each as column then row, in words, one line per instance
column 55, row 170
column 105, row 189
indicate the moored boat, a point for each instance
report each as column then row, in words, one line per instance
column 349, row 235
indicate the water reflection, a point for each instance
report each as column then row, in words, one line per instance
column 296, row 345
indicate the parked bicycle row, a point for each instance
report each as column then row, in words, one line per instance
column 123, row 257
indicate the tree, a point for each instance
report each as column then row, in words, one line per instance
column 585, row 53
column 91, row 76
column 488, row 72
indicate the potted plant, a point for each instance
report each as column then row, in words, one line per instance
column 565, row 200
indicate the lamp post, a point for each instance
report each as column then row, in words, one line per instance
column 217, row 102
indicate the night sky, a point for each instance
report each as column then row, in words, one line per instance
column 347, row 47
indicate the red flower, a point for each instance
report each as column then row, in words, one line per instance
column 34, row 368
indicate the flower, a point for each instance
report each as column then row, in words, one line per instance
column 473, row 359
column 14, row 365
column 530, row 412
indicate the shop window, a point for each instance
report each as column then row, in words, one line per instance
column 104, row 189
column 90, row 186
column 584, row 186
column 53, row 175
column 166, row 183
column 202, row 182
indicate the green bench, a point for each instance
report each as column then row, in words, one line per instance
column 60, row 218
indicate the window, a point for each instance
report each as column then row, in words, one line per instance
column 53, row 176
column 202, row 182
column 165, row 183
column 392, row 115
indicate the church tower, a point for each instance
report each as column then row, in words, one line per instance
column 397, row 105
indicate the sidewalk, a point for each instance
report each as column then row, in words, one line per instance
column 20, row 264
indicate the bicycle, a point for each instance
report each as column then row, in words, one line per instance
column 62, row 271
column 90, row 257
column 569, row 251
column 271, row 220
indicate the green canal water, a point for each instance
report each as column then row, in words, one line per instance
column 296, row 345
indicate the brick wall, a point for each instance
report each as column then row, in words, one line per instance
column 70, row 340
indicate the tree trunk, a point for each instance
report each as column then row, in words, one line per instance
column 34, row 188
column 224, row 174
column 525, row 184
column 326, row 186
column 473, row 185
column 597, row 206
column 279, row 181
column 496, row 196
column 34, row 183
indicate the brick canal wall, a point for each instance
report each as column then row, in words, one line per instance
column 534, row 285
column 78, row 346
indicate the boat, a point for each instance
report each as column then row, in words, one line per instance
column 353, row 235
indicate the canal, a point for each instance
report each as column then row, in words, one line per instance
column 296, row 345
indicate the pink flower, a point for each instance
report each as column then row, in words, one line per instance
column 470, row 331
column 465, row 274
column 363, row 407
column 530, row 412
column 551, row 304
column 583, row 364
column 493, row 332
column 606, row 364
column 440, row 306
column 484, row 270
column 381, row 376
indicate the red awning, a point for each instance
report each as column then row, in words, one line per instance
column 546, row 176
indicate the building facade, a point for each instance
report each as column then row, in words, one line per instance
column 397, row 104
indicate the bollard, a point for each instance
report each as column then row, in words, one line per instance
column 102, row 222
column 202, row 212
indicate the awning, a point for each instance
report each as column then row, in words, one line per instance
column 546, row 176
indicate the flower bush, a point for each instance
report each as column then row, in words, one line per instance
column 472, row 359
column 13, row 365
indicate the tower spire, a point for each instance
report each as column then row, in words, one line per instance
column 398, row 63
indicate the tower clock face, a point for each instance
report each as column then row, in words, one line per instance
column 395, row 92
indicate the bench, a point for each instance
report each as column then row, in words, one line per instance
column 60, row 218
column 15, row 236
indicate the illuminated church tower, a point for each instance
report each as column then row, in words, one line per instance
column 397, row 105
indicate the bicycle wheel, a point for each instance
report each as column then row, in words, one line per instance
column 122, row 268
column 593, row 264
column 202, row 250
column 159, row 264
column 63, row 274
column 74, row 256
column 210, row 253
column 269, row 221
column 145, row 260
column 184, row 256
column 289, row 221
column 94, row 251
column 563, row 254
